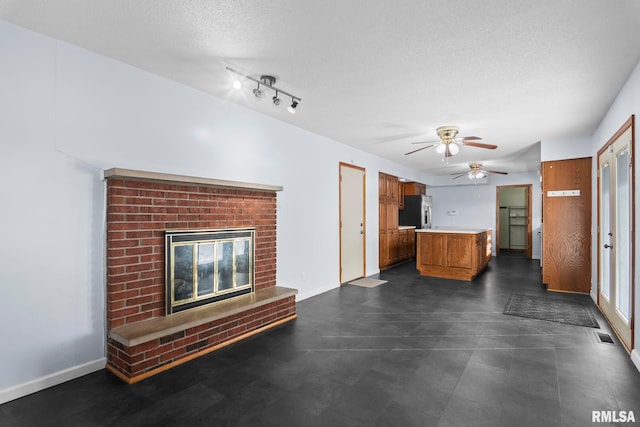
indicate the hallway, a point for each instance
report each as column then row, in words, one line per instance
column 415, row 351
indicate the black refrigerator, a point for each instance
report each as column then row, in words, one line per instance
column 416, row 212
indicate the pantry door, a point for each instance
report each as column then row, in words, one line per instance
column 615, row 232
column 352, row 222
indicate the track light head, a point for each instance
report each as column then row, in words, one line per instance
column 259, row 93
column 276, row 100
column 292, row 108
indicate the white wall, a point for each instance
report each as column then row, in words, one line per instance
column 66, row 114
column 565, row 148
column 476, row 204
column 626, row 104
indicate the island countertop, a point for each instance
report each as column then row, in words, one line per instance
column 453, row 230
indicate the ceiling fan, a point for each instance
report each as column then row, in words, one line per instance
column 476, row 172
column 449, row 144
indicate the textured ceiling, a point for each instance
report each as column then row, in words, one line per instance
column 380, row 74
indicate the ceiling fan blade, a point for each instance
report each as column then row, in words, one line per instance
column 458, row 175
column 479, row 145
column 425, row 142
column 471, row 138
column 419, row 149
column 501, row 173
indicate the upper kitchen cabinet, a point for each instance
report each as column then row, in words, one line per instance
column 414, row 189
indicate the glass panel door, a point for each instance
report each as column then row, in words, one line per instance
column 623, row 232
column 605, row 218
column 615, row 236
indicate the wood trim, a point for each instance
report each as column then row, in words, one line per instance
column 364, row 215
column 629, row 123
column 633, row 228
column 497, row 227
column 133, row 380
column 529, row 252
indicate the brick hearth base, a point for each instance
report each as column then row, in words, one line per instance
column 146, row 348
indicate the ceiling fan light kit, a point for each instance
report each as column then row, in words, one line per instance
column 449, row 145
column 476, row 172
column 266, row 81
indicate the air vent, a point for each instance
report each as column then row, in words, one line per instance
column 604, row 338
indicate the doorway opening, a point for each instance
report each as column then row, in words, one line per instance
column 513, row 220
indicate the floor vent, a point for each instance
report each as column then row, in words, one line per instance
column 604, row 338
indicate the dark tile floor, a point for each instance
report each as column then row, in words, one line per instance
column 413, row 352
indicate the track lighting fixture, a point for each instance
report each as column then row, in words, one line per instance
column 268, row 82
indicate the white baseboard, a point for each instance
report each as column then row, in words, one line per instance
column 317, row 291
column 50, row 380
column 635, row 358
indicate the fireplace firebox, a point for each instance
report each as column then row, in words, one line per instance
column 205, row 266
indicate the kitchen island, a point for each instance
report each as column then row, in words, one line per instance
column 452, row 253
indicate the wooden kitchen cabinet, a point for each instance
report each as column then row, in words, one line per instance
column 452, row 254
column 414, row 189
column 407, row 243
column 387, row 219
column 394, row 244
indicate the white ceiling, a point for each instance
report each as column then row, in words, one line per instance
column 380, row 74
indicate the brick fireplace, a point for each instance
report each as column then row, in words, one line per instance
column 141, row 207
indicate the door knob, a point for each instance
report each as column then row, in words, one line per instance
column 608, row 246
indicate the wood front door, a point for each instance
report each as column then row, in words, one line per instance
column 615, row 233
column 566, row 225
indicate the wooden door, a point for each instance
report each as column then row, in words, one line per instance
column 615, row 233
column 352, row 222
column 566, row 226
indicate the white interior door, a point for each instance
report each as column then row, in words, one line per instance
column 352, row 223
column 615, row 235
